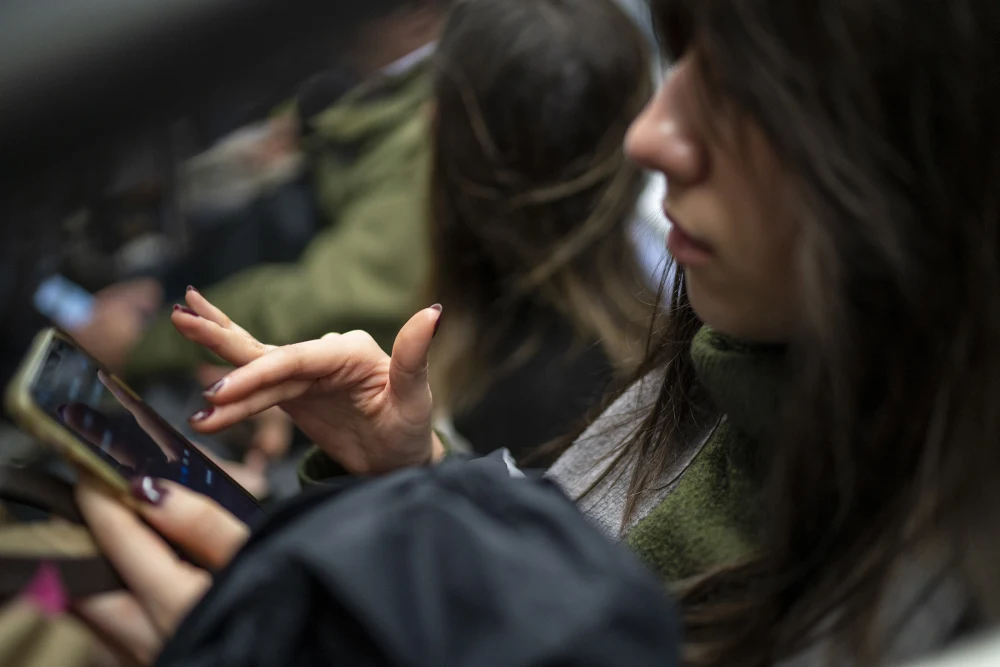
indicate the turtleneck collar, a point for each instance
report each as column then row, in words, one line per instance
column 743, row 380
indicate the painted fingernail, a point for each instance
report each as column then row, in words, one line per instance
column 148, row 490
column 214, row 389
column 438, row 307
column 61, row 411
column 202, row 415
column 191, row 288
column 184, row 309
column 47, row 591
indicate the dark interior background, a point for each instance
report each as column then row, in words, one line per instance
column 100, row 102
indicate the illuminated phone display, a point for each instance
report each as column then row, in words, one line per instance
column 114, row 423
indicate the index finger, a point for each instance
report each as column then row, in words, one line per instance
column 205, row 308
column 235, row 347
column 331, row 358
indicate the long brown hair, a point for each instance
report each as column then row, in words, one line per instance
column 883, row 113
column 531, row 195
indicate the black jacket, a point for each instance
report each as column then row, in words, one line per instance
column 458, row 565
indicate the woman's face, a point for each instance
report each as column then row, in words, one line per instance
column 732, row 232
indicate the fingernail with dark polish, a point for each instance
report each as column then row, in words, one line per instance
column 190, row 288
column 437, row 324
column 214, row 389
column 184, row 309
column 202, row 415
column 148, row 490
column 61, row 411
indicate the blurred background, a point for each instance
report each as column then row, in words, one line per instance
column 130, row 133
column 144, row 141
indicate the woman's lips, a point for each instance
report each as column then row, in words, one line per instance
column 687, row 250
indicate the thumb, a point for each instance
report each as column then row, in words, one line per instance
column 408, row 366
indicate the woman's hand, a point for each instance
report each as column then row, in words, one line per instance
column 272, row 429
column 370, row 412
column 162, row 588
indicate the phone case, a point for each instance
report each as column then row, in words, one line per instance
column 32, row 419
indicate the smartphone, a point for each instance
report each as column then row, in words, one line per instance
column 65, row 398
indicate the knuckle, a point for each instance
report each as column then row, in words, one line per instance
column 358, row 338
column 256, row 348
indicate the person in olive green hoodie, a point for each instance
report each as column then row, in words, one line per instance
column 369, row 160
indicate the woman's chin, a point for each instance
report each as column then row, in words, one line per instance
column 705, row 306
column 721, row 314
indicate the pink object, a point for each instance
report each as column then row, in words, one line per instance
column 47, row 590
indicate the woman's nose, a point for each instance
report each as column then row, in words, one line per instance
column 663, row 137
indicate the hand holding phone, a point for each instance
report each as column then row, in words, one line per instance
column 162, row 586
column 63, row 397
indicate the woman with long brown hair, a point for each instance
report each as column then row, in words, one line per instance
column 810, row 456
column 531, row 207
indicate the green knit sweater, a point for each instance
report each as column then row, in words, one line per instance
column 711, row 518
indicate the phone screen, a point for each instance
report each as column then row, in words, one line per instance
column 104, row 415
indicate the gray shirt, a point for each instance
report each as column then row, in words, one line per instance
column 595, row 473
